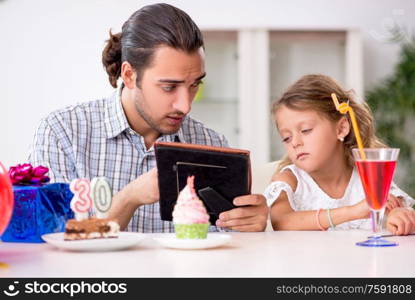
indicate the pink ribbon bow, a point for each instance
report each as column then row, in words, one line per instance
column 25, row 174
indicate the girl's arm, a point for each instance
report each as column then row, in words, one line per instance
column 405, row 199
column 401, row 221
column 283, row 217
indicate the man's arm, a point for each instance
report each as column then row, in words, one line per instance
column 143, row 190
column 48, row 150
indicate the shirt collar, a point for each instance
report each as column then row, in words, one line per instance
column 116, row 120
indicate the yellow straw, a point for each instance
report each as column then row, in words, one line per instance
column 344, row 108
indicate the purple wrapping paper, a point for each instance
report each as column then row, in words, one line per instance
column 38, row 210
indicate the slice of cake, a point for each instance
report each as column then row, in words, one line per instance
column 92, row 228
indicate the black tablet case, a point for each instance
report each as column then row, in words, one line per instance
column 221, row 174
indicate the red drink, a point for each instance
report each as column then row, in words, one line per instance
column 376, row 177
column 376, row 167
column 6, row 199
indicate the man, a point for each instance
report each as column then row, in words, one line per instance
column 159, row 56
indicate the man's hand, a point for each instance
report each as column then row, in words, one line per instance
column 251, row 216
column 144, row 189
column 401, row 221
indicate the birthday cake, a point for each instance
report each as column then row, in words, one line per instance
column 190, row 218
column 98, row 195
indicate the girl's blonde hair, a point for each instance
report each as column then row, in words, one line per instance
column 313, row 92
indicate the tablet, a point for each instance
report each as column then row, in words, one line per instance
column 221, row 174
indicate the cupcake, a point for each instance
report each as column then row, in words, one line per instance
column 190, row 218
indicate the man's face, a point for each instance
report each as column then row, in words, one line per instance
column 168, row 87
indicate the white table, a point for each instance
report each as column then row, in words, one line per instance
column 266, row 254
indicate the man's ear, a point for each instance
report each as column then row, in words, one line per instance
column 128, row 75
column 343, row 128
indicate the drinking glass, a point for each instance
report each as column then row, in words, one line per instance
column 376, row 170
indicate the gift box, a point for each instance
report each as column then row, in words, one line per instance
column 39, row 208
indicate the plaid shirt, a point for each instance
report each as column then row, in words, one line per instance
column 94, row 139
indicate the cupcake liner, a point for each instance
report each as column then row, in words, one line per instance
column 191, row 231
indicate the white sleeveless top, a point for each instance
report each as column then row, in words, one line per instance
column 309, row 196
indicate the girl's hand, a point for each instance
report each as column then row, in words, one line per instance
column 393, row 202
column 401, row 221
column 361, row 210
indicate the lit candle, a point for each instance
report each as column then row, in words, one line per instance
column 101, row 196
column 81, row 201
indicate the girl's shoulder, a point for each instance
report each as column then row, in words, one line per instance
column 286, row 175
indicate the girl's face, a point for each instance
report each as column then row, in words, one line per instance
column 310, row 140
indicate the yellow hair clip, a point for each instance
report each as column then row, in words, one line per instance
column 344, row 108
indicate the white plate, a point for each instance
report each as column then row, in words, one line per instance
column 124, row 240
column 169, row 240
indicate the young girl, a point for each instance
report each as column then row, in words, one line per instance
column 316, row 186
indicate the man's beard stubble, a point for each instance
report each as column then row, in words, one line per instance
column 149, row 120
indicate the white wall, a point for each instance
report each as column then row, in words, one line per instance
column 50, row 50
